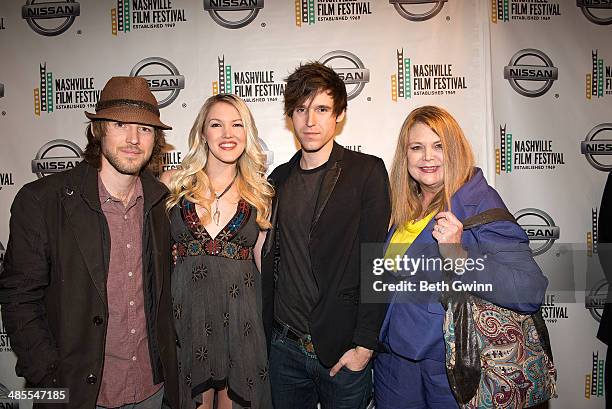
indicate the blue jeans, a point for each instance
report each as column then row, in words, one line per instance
column 300, row 381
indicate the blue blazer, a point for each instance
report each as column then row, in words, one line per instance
column 413, row 324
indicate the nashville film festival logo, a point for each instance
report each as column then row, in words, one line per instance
column 163, row 78
column 54, row 94
column 171, row 160
column 516, row 10
column 529, row 154
column 6, row 179
column 541, row 236
column 233, row 13
column 50, row 18
column 596, row 11
column 423, row 79
column 252, row 86
column 56, row 156
column 350, row 68
column 599, row 81
column 312, row 11
column 418, row 10
column 552, row 312
column 593, row 148
column 594, row 382
column 131, row 15
column 521, row 75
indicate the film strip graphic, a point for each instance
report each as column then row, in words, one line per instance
column 120, row 17
column 43, row 96
column 224, row 84
column 503, row 155
column 499, row 10
column 401, row 83
column 595, row 80
column 594, row 382
column 592, row 235
column 304, row 12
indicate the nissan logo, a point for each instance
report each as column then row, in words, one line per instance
column 515, row 72
column 53, row 157
column 66, row 11
column 216, row 7
column 171, row 80
column 350, row 68
column 592, row 147
column 543, row 235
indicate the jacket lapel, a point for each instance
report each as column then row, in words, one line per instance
column 81, row 202
column 153, row 192
column 277, row 179
column 328, row 183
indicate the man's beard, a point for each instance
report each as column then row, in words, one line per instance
column 125, row 166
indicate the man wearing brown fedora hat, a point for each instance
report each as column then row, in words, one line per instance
column 85, row 284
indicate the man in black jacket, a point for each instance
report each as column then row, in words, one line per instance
column 329, row 201
column 85, row 285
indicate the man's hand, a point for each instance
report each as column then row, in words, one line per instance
column 354, row 359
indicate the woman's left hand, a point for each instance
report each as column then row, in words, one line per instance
column 447, row 231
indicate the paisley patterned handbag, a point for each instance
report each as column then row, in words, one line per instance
column 495, row 357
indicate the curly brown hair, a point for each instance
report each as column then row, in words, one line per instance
column 96, row 130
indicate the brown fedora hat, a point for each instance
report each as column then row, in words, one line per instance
column 129, row 100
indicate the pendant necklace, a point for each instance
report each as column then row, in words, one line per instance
column 217, row 213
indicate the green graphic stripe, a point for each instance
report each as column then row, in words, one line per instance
column 506, row 13
column 407, row 81
column 119, row 15
column 43, row 87
column 49, row 92
column 311, row 12
column 600, row 78
column 228, row 79
column 126, row 16
column 508, row 152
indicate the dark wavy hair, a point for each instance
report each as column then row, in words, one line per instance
column 310, row 79
column 96, row 130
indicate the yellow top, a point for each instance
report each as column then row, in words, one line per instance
column 403, row 237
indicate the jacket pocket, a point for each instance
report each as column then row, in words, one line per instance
column 349, row 295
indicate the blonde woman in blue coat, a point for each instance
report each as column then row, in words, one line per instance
column 434, row 187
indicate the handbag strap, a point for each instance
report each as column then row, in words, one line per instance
column 495, row 214
column 500, row 214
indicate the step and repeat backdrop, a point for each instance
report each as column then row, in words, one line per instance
column 528, row 80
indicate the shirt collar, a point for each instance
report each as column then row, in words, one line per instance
column 106, row 197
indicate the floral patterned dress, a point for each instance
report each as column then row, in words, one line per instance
column 217, row 309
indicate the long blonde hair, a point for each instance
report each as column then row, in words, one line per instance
column 458, row 165
column 192, row 183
